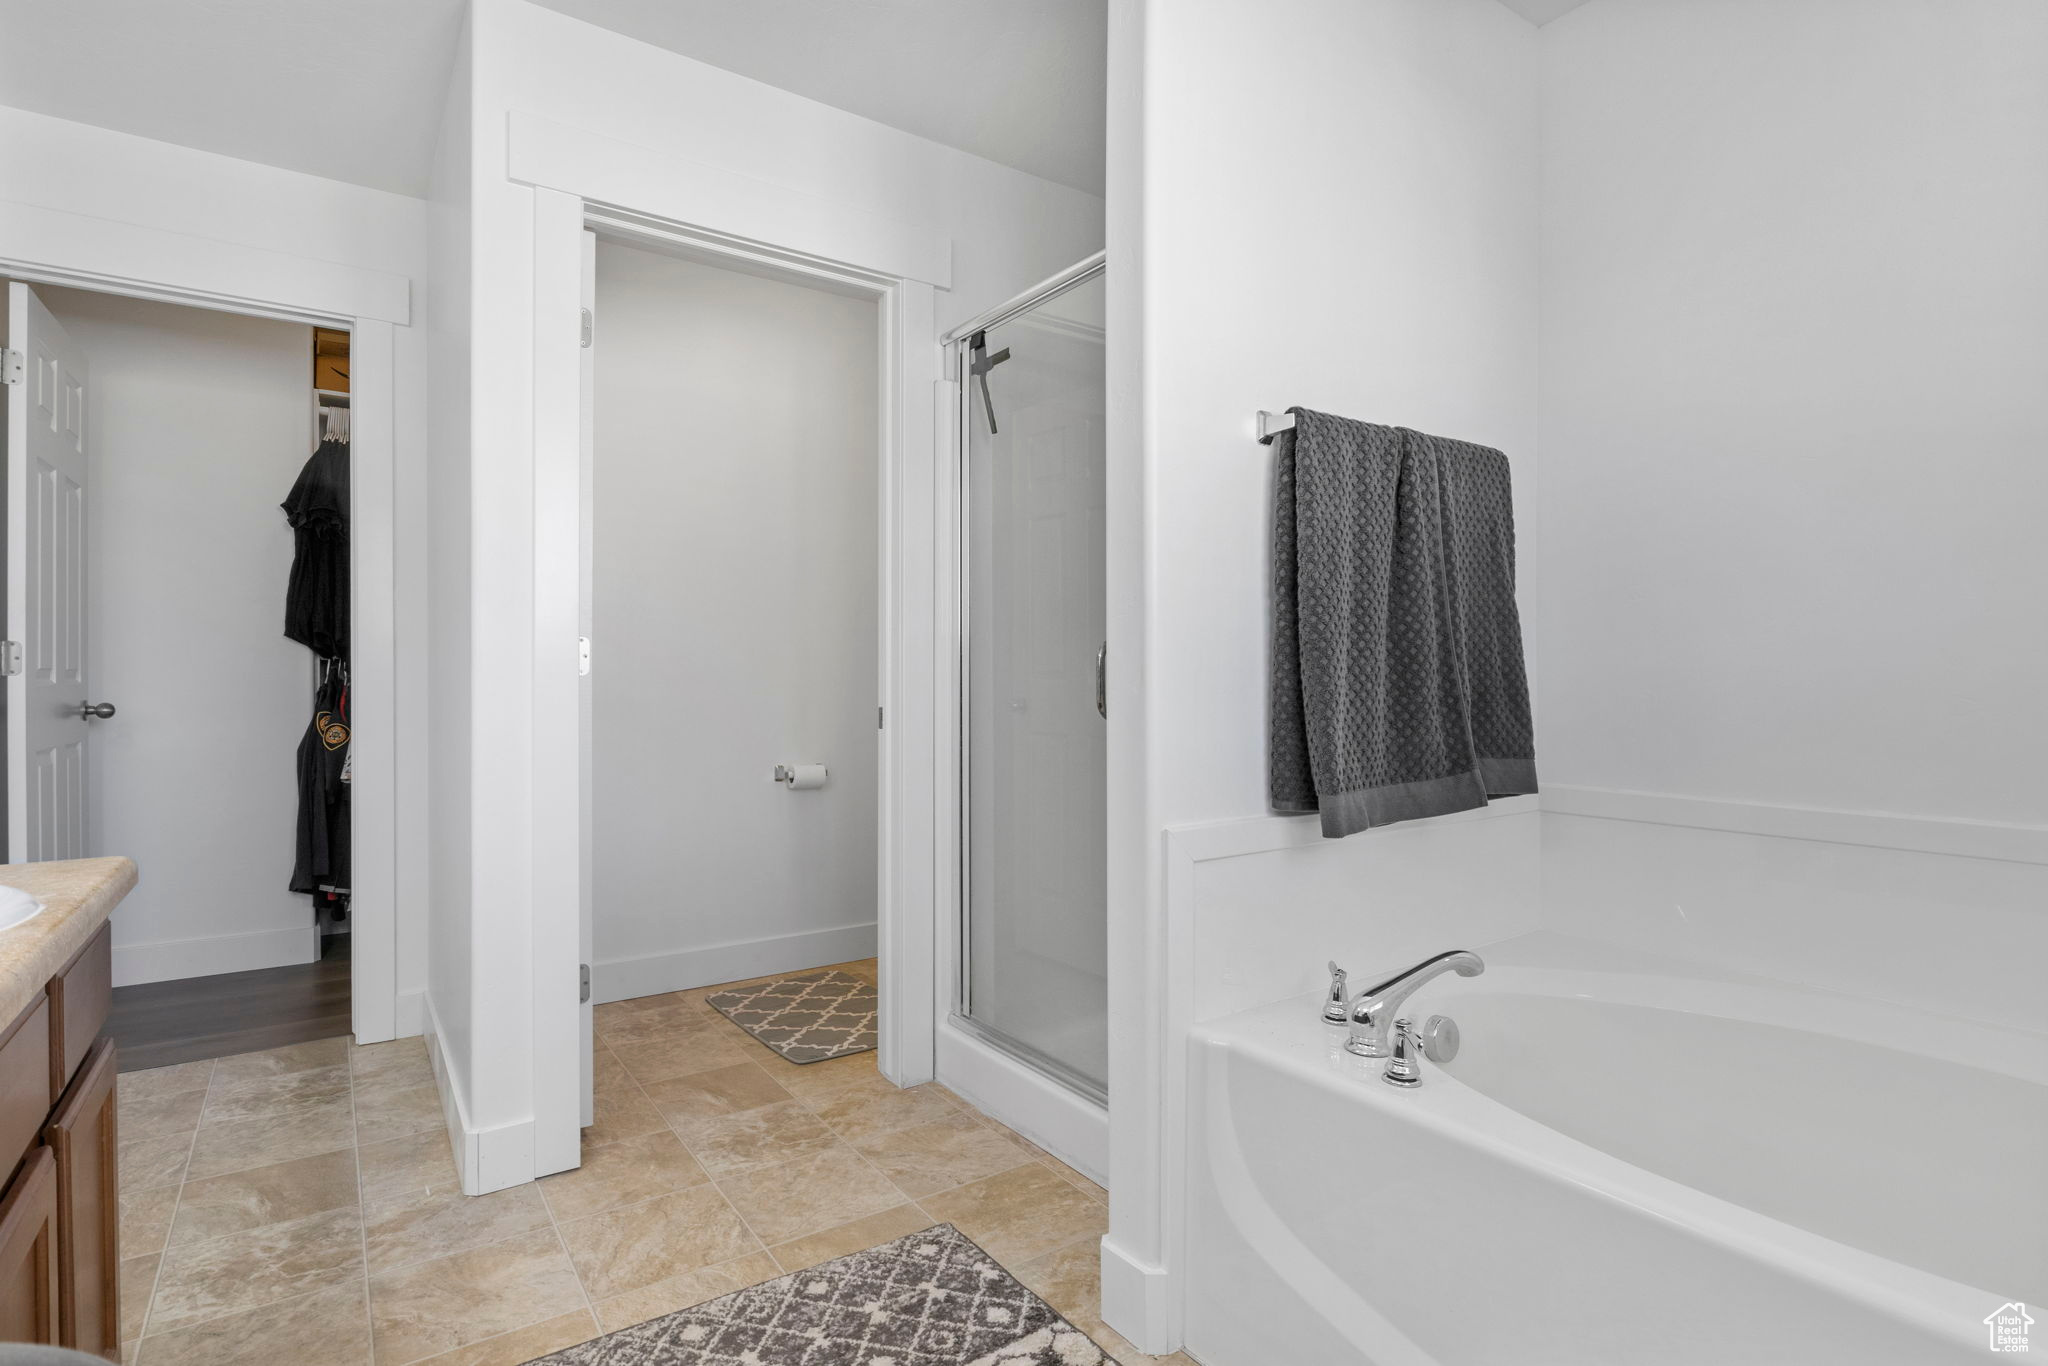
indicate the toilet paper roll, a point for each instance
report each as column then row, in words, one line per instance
column 804, row 777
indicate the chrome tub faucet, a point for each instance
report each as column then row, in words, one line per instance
column 1373, row 1010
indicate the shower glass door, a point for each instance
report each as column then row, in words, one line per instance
column 1032, row 969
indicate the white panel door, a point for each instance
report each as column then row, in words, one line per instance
column 46, row 726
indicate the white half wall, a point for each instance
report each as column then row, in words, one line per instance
column 200, row 422
column 1920, row 912
column 1373, row 903
column 1255, row 909
column 736, row 548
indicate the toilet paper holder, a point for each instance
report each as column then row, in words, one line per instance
column 787, row 774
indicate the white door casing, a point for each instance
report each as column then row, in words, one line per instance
column 908, row 369
column 46, row 491
column 139, row 260
column 902, row 260
column 585, row 614
column 559, row 1020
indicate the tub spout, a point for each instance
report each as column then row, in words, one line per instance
column 1373, row 1010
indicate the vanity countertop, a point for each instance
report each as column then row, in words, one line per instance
column 77, row 896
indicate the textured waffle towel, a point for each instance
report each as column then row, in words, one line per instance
column 1398, row 686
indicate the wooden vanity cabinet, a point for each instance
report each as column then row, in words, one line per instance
column 81, row 997
column 60, row 1214
column 28, row 1252
column 25, row 1092
column 82, row 1137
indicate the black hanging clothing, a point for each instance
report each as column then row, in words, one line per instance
column 324, row 835
column 316, row 615
column 316, row 600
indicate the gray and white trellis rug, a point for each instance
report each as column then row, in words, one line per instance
column 806, row 1018
column 931, row 1299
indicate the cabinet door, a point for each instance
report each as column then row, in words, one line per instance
column 80, row 998
column 28, row 1252
column 81, row 1135
column 25, row 1093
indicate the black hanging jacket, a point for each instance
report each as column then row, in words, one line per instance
column 316, row 600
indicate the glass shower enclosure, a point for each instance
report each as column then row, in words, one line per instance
column 1032, row 977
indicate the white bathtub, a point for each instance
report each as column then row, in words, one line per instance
column 1630, row 1163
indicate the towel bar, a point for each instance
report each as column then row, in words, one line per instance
column 1271, row 425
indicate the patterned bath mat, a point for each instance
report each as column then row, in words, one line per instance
column 931, row 1299
column 810, row 1018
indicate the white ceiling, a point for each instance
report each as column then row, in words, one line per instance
column 351, row 89
column 1022, row 82
column 1542, row 11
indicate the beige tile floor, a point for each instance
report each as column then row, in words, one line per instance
column 301, row 1204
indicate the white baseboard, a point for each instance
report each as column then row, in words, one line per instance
column 410, row 1014
column 1137, row 1301
column 497, row 1158
column 453, row 1116
column 170, row 960
column 487, row 1159
column 621, row 979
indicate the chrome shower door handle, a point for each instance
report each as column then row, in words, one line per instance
column 103, row 710
column 1102, row 681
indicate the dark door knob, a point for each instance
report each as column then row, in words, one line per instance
column 103, row 710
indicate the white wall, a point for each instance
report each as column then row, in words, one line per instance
column 1330, row 203
column 1793, row 402
column 199, row 422
column 736, row 619
column 1388, row 274
column 1793, row 417
column 200, row 211
column 1007, row 230
column 449, row 992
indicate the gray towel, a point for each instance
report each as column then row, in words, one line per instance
column 1398, row 686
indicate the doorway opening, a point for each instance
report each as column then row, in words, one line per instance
column 159, row 457
column 731, row 605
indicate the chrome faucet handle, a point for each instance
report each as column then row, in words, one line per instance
column 1372, row 1014
column 1337, row 1005
column 1404, row 1068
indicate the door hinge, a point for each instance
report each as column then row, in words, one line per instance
column 583, row 975
column 583, row 656
column 10, row 658
column 878, row 718
column 588, row 322
column 13, row 367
